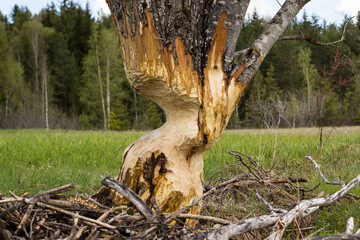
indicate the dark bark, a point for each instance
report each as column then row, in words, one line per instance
column 193, row 21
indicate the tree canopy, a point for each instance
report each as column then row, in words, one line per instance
column 297, row 77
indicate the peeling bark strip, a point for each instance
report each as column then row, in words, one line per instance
column 179, row 53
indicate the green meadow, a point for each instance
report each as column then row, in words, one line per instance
column 34, row 160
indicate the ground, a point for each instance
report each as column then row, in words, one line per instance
column 33, row 160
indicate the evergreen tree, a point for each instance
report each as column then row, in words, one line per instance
column 11, row 81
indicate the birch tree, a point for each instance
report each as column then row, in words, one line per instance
column 310, row 74
column 44, row 75
column 102, row 75
column 33, row 32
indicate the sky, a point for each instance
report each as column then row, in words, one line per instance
column 333, row 11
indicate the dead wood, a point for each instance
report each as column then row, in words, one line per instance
column 47, row 215
column 140, row 205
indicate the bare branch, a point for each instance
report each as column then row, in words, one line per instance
column 304, row 205
column 75, row 215
column 308, row 38
column 243, row 226
column 268, row 205
column 53, row 191
column 252, row 59
column 322, row 175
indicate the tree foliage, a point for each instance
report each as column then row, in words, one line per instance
column 297, row 79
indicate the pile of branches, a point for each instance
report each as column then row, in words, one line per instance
column 49, row 215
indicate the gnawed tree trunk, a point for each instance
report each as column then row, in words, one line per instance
column 180, row 55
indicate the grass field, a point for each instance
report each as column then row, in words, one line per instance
column 34, row 160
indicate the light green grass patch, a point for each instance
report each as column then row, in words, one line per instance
column 34, row 160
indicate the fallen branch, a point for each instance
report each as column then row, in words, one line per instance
column 140, row 205
column 304, row 205
column 268, row 205
column 235, row 229
column 273, row 181
column 50, row 192
column 341, row 183
column 75, row 215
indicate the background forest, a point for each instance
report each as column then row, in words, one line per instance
column 61, row 68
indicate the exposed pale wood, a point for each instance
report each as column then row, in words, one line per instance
column 188, row 70
column 26, row 216
column 350, row 226
column 14, row 195
column 111, row 210
column 9, row 200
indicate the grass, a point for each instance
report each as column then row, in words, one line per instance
column 339, row 158
column 34, row 160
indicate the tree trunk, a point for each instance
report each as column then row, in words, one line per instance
column 34, row 41
column 7, row 97
column 108, row 91
column 180, row 55
column 45, row 90
column 100, row 87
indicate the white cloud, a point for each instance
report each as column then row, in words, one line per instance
column 100, row 5
column 264, row 8
column 349, row 7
